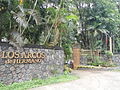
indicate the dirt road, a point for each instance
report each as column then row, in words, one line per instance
column 89, row 80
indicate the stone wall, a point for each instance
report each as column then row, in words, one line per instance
column 11, row 72
column 83, row 60
column 115, row 59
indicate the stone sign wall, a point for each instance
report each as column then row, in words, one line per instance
column 27, row 63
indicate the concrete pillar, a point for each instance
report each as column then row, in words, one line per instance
column 76, row 56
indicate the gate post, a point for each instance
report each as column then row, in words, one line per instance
column 76, row 56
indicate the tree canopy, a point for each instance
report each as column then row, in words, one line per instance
column 60, row 22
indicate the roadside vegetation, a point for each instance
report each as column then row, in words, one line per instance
column 38, row 82
column 61, row 22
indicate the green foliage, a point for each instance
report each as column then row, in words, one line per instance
column 62, row 22
column 72, row 17
column 103, row 64
column 4, row 23
column 98, row 62
column 95, row 62
column 68, row 51
column 67, row 70
column 108, row 53
column 89, row 58
column 37, row 82
column 2, row 85
column 97, row 18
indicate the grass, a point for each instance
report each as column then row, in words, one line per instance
column 116, row 70
column 37, row 82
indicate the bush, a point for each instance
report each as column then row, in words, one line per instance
column 2, row 85
column 89, row 58
column 108, row 53
column 67, row 70
column 38, row 82
column 98, row 62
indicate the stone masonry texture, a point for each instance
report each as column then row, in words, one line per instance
column 115, row 59
column 51, row 65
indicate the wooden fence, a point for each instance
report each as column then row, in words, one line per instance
column 90, row 52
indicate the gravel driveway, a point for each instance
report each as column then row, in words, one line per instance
column 89, row 80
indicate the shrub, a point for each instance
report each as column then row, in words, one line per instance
column 108, row 53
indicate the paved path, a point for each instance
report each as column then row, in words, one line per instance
column 89, row 80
